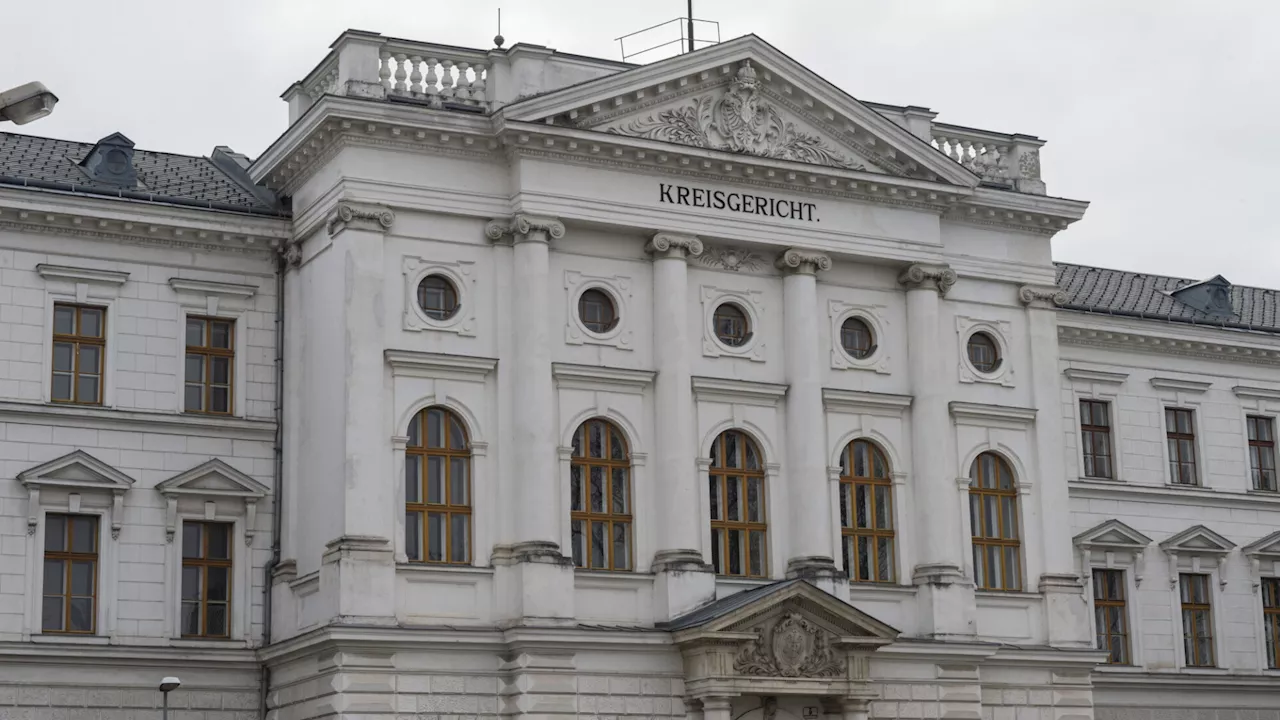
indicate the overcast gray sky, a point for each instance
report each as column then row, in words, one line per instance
column 1161, row 113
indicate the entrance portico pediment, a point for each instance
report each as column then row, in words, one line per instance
column 747, row 98
column 788, row 638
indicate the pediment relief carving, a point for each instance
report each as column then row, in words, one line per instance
column 790, row 646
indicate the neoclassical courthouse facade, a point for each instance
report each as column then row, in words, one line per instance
column 518, row 383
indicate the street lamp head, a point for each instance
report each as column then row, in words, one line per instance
column 169, row 683
column 26, row 103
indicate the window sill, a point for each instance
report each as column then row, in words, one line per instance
column 142, row 419
column 1122, row 669
column 867, row 588
column 1205, row 671
column 742, row 583
column 59, row 639
column 430, row 568
column 208, row 643
column 1006, row 594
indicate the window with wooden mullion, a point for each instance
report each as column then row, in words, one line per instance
column 209, row 365
column 438, row 489
column 866, row 514
column 738, row 526
column 206, row 579
column 1271, row 620
column 1180, row 428
column 993, row 513
column 600, row 505
column 1110, row 618
column 1197, row 620
column 79, row 347
column 70, row 602
column 1095, row 438
column 1262, row 453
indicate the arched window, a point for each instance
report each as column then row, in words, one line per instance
column 993, row 511
column 866, row 513
column 738, row 527
column 600, row 486
column 437, row 489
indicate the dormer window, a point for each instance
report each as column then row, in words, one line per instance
column 110, row 162
column 1211, row 297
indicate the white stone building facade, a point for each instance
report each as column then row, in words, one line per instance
column 559, row 387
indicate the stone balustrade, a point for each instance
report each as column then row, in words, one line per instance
column 437, row 74
column 1007, row 161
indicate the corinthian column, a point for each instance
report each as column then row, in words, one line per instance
column 946, row 594
column 808, row 494
column 543, row 581
column 683, row 578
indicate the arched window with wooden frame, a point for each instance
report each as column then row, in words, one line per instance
column 739, row 530
column 600, row 497
column 866, row 513
column 437, row 489
column 993, row 512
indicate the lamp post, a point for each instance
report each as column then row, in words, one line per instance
column 168, row 685
column 26, row 103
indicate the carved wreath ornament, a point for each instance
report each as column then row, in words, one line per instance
column 795, row 648
column 738, row 121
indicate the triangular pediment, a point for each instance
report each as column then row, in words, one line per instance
column 1267, row 547
column 1112, row 534
column 744, row 612
column 214, row 478
column 76, row 471
column 746, row 98
column 1198, row 540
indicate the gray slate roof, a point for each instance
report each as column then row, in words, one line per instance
column 1131, row 294
column 161, row 176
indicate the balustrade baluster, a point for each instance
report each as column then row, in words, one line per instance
column 401, row 62
column 430, row 85
column 384, row 70
column 415, row 77
column 446, row 79
column 463, row 90
column 477, row 87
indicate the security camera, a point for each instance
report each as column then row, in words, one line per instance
column 169, row 683
column 26, row 103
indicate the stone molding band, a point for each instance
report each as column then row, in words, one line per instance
column 806, row 262
column 525, row 228
column 674, row 245
column 939, row 277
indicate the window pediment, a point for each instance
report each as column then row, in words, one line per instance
column 1112, row 535
column 1198, row 540
column 1267, row 548
column 209, row 481
column 76, row 472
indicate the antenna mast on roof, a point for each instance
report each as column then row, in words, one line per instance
column 498, row 39
column 689, row 19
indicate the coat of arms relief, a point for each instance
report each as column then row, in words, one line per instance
column 738, row 120
column 793, row 647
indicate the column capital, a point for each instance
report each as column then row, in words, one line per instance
column 525, row 228
column 805, row 262
column 672, row 245
column 357, row 217
column 936, row 277
column 1042, row 296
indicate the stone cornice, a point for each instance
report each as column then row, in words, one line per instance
column 525, row 228
column 1042, row 296
column 737, row 391
column 674, row 245
column 938, row 277
column 205, row 287
column 804, row 262
column 1151, row 341
column 139, row 224
column 74, row 274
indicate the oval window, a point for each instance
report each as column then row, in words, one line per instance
column 731, row 325
column 856, row 338
column 437, row 297
column 984, row 353
column 596, row 311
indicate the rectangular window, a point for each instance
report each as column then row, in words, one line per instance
column 1197, row 620
column 1095, row 438
column 1111, row 623
column 206, row 579
column 1271, row 620
column 79, row 347
column 1262, row 452
column 70, row 603
column 210, row 355
column 1180, row 428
